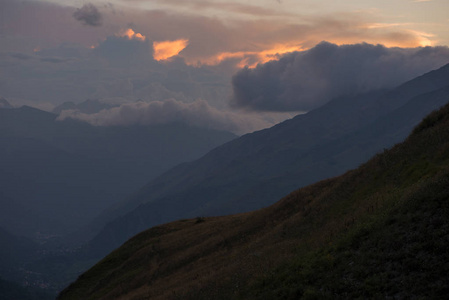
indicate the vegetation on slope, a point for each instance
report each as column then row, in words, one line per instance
column 257, row 169
column 379, row 231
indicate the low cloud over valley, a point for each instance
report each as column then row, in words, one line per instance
column 198, row 113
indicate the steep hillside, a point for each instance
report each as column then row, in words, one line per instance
column 380, row 231
column 58, row 175
column 257, row 169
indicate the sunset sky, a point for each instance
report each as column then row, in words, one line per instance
column 113, row 46
column 218, row 30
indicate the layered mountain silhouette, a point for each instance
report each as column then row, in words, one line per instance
column 15, row 255
column 4, row 103
column 379, row 231
column 245, row 174
column 58, row 175
column 11, row 290
column 15, row 252
column 90, row 106
column 257, row 169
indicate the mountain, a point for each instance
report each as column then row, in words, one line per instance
column 15, row 253
column 58, row 175
column 379, row 231
column 88, row 107
column 256, row 169
column 13, row 291
column 4, row 103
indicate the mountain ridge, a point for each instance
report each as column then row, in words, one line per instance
column 226, row 175
column 86, row 167
column 371, row 232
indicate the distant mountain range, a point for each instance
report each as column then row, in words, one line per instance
column 10, row 290
column 257, row 169
column 244, row 174
column 379, row 231
column 4, row 103
column 58, row 175
column 15, row 253
column 90, row 106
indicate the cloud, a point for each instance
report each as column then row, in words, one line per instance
column 212, row 42
column 126, row 48
column 117, row 67
column 198, row 113
column 302, row 81
column 54, row 60
column 215, row 34
column 234, row 8
column 131, row 35
column 121, row 64
column 88, row 14
column 166, row 49
column 20, row 56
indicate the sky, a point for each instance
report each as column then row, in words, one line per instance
column 249, row 63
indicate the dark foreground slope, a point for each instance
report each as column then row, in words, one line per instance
column 257, row 169
column 380, row 231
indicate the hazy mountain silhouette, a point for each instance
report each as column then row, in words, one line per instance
column 15, row 252
column 11, row 290
column 256, row 169
column 379, row 231
column 57, row 175
column 4, row 103
column 88, row 107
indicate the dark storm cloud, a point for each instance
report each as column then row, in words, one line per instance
column 306, row 80
column 88, row 14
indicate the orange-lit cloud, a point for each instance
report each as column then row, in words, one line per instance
column 424, row 38
column 404, row 38
column 240, row 43
column 166, row 49
column 388, row 34
column 270, row 54
column 131, row 34
column 274, row 42
column 249, row 58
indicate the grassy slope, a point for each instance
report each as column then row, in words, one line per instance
column 381, row 230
